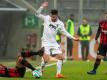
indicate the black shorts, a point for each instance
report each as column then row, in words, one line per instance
column 102, row 50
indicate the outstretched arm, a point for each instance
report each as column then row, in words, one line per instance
column 67, row 34
column 38, row 12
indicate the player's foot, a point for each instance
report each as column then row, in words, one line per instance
column 93, row 72
column 59, row 76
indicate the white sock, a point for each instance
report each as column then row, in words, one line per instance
column 59, row 66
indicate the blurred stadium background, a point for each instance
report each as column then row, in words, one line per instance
column 16, row 20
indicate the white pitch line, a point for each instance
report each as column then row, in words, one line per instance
column 48, row 65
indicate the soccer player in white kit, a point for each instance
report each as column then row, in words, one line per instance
column 52, row 25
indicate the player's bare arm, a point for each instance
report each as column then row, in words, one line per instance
column 38, row 12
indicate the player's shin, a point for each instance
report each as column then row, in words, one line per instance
column 97, row 63
column 59, row 66
column 27, row 64
column 43, row 64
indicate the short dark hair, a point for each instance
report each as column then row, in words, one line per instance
column 54, row 12
column 85, row 19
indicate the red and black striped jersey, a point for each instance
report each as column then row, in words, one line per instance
column 102, row 32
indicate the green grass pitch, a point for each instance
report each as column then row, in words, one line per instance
column 72, row 70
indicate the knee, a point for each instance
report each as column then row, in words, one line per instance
column 61, row 57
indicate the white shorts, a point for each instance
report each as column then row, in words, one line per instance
column 52, row 50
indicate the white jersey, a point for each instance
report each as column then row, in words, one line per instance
column 51, row 29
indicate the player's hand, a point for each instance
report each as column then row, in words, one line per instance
column 45, row 5
column 76, row 39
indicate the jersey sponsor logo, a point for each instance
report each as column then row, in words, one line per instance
column 53, row 26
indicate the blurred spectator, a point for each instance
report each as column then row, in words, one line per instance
column 31, row 41
column 70, row 29
column 84, row 33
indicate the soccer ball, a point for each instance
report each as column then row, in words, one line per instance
column 37, row 73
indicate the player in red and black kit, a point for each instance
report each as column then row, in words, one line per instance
column 21, row 64
column 102, row 50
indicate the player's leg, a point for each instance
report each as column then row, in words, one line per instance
column 45, row 58
column 96, row 64
column 59, row 65
column 101, row 53
column 20, row 68
column 21, row 62
column 59, row 56
column 44, row 61
column 30, row 53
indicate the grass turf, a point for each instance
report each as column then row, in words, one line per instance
column 72, row 70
